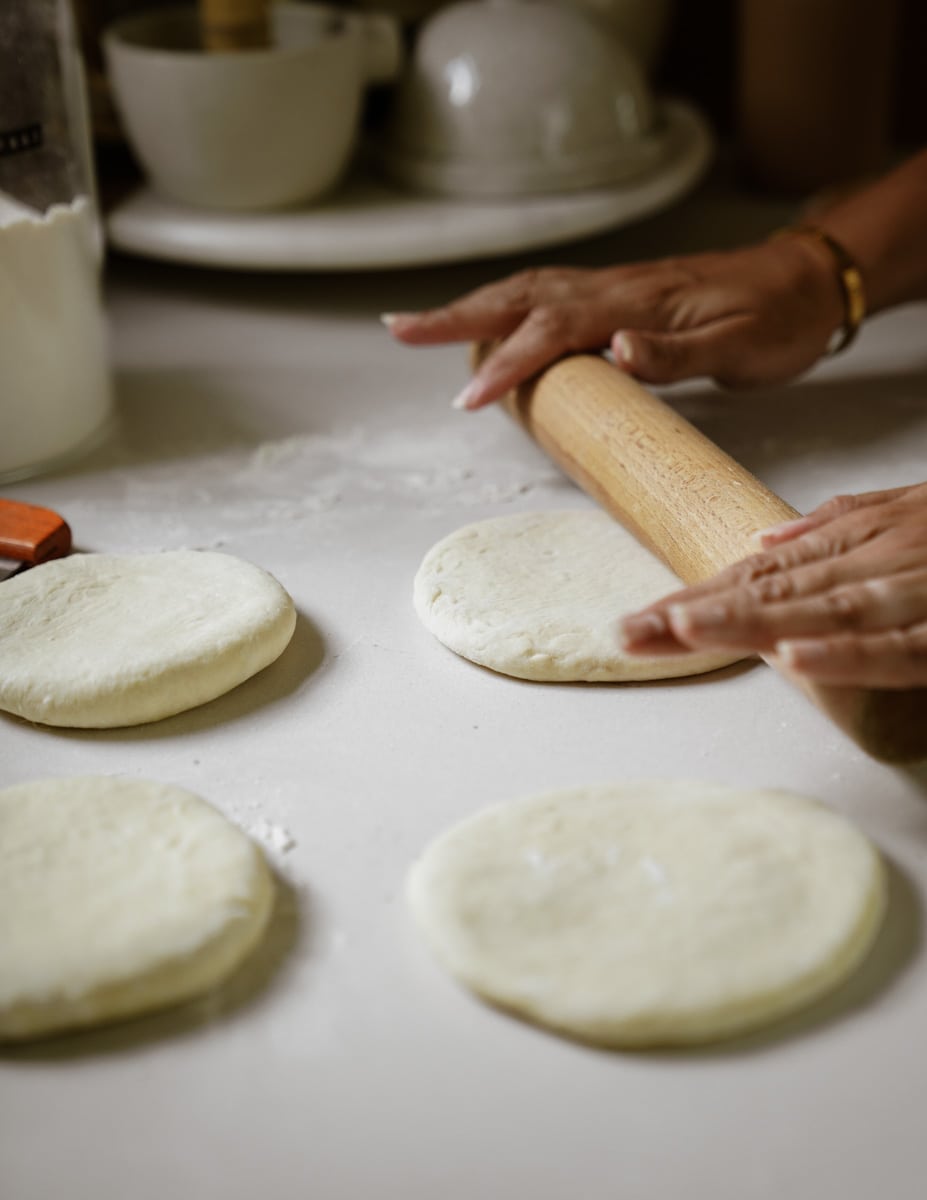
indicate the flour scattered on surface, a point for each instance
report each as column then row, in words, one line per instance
column 315, row 480
column 274, row 837
column 338, row 444
column 505, row 493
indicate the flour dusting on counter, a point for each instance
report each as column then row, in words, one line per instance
column 271, row 836
column 425, row 469
column 206, row 460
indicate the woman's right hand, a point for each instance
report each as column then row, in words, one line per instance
column 839, row 596
column 753, row 316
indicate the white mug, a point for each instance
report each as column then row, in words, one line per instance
column 254, row 129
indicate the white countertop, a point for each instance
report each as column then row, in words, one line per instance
column 273, row 418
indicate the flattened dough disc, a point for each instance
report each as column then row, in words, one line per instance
column 651, row 913
column 116, row 897
column 101, row 640
column 537, row 596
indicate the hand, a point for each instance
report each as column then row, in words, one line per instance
column 839, row 597
column 759, row 315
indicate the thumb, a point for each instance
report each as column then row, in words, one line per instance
column 669, row 357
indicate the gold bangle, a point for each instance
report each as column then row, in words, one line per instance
column 849, row 277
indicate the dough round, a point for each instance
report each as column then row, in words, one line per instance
column 95, row 641
column 117, row 897
column 537, row 595
column 651, row 913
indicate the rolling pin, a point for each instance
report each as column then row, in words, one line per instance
column 228, row 25
column 692, row 504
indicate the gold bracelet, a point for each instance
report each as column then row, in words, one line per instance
column 848, row 276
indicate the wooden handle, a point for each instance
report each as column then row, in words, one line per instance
column 31, row 534
column 235, row 24
column 692, row 504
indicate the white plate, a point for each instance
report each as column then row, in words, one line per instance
column 371, row 225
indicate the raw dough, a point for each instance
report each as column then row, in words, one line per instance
column 651, row 913
column 102, row 640
column 116, row 897
column 537, row 595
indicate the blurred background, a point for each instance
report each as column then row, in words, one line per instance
column 802, row 94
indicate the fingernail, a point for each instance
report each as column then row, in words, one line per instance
column 466, row 398
column 641, row 627
column 801, row 652
column 624, row 349
column 690, row 617
column 391, row 319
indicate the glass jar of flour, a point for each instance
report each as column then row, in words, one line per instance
column 55, row 397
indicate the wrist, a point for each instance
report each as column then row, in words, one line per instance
column 843, row 281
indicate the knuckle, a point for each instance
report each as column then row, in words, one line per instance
column 772, row 588
column 880, row 591
column 912, row 639
column 656, row 290
column 523, row 288
column 535, row 286
column 744, row 575
column 817, row 544
column 906, row 646
column 848, row 607
column 551, row 321
column 838, row 506
column 756, row 567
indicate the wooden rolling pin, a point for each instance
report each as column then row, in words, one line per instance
column 692, row 504
column 228, row 25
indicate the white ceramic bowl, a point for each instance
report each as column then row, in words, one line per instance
column 516, row 97
column 642, row 26
column 257, row 129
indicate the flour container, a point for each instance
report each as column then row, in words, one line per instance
column 55, row 396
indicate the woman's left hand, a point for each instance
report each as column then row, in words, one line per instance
column 839, row 597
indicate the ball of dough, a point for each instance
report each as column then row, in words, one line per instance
column 117, row 897
column 95, row 641
column 651, row 913
column 537, row 596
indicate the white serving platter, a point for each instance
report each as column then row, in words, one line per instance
column 372, row 225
